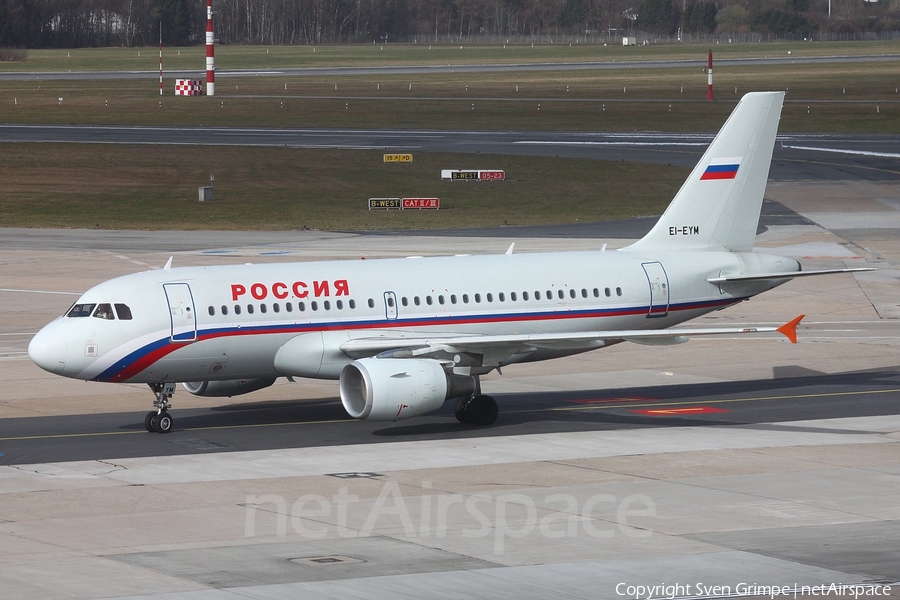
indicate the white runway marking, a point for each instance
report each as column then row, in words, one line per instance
column 666, row 144
column 843, row 151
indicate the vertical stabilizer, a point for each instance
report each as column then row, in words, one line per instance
column 718, row 206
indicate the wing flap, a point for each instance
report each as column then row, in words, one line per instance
column 425, row 346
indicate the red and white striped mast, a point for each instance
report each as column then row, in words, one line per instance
column 160, row 60
column 709, row 90
column 210, row 52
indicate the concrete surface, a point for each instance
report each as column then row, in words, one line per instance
column 560, row 515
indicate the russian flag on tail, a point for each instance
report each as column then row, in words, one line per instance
column 722, row 168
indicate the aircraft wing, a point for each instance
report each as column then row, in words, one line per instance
column 778, row 276
column 511, row 344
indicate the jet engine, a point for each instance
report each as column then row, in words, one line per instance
column 390, row 389
column 230, row 387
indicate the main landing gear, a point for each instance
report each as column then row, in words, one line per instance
column 477, row 409
column 160, row 421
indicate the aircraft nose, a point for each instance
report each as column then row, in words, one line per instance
column 49, row 350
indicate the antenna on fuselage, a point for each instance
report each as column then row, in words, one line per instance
column 168, row 266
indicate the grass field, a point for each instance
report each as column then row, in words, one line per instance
column 123, row 187
column 843, row 97
column 355, row 55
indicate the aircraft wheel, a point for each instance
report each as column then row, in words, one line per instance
column 150, row 421
column 460, row 413
column 482, row 410
column 164, row 422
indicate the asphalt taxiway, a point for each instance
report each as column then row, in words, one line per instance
column 797, row 157
column 721, row 461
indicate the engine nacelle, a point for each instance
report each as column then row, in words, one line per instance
column 230, row 387
column 390, row 389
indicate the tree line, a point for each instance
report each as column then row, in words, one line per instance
column 84, row 23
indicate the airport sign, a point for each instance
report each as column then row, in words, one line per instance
column 473, row 174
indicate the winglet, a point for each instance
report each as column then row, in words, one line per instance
column 789, row 329
column 510, row 251
column 168, row 266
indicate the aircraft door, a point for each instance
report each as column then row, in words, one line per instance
column 659, row 289
column 181, row 312
column 390, row 305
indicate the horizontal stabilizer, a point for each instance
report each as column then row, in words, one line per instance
column 781, row 276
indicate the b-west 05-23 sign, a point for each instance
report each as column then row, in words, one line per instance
column 473, row 174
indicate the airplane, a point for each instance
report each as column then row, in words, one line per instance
column 404, row 336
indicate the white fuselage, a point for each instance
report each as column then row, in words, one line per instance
column 229, row 322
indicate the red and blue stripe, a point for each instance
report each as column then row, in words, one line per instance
column 137, row 361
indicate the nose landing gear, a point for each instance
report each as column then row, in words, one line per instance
column 160, row 421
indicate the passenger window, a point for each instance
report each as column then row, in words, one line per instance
column 123, row 312
column 288, row 307
column 512, row 296
column 81, row 310
column 608, row 294
column 353, row 304
column 452, row 298
column 224, row 310
column 596, row 293
column 371, row 303
column 571, row 293
column 404, row 301
column 501, row 297
column 465, row 298
column 537, row 295
column 237, row 309
column 440, row 299
column 525, row 296
column 549, row 294
column 583, row 293
column 416, row 300
column 249, row 309
column 489, row 297
column 618, row 291
column 314, row 305
column 104, row 311
column 339, row 304
column 276, row 307
column 561, row 294
column 428, row 300
column 301, row 306
column 262, row 308
column 326, row 305
column 477, row 297
column 212, row 311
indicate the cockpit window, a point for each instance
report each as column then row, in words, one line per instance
column 104, row 311
column 81, row 310
column 123, row 311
